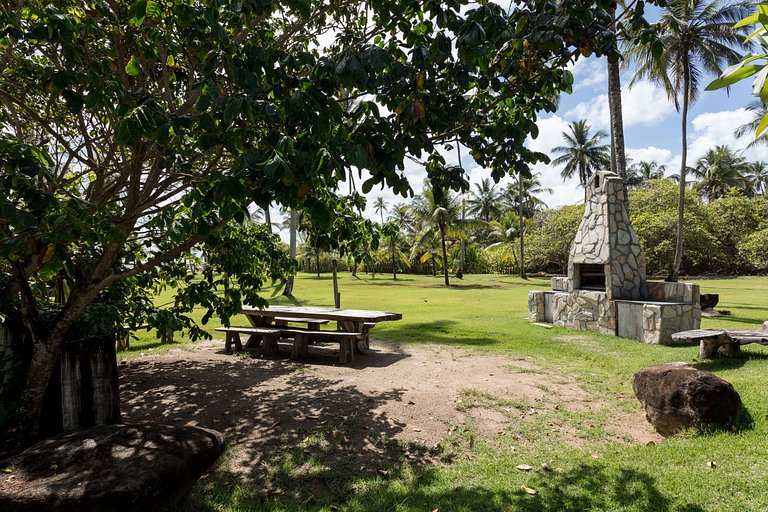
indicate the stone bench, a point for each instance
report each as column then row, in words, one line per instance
column 712, row 341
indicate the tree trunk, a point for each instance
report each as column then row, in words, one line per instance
column 434, row 265
column 336, row 295
column 268, row 220
column 291, row 252
column 463, row 254
column 618, row 157
column 673, row 275
column 520, row 191
column 394, row 263
column 317, row 262
column 445, row 256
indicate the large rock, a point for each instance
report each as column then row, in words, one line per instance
column 678, row 396
column 116, row 468
column 765, row 325
column 709, row 300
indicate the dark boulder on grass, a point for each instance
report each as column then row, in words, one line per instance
column 116, row 468
column 678, row 396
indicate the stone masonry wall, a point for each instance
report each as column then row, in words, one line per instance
column 584, row 310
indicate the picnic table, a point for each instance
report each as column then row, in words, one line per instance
column 347, row 320
column 712, row 340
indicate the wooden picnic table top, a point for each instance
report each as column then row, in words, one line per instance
column 355, row 315
column 715, row 333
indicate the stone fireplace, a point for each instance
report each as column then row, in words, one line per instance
column 606, row 288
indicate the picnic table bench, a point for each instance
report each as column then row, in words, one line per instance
column 347, row 320
column 712, row 341
column 271, row 335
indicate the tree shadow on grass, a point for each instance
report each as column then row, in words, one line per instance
column 587, row 486
column 292, row 436
column 437, row 331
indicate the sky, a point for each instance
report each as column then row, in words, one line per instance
column 652, row 131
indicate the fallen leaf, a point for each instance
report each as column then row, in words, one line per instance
column 313, row 417
column 546, row 467
column 274, row 424
column 523, row 467
column 7, row 470
column 383, row 472
column 54, row 466
column 530, row 491
column 712, row 464
column 209, row 486
column 411, row 402
column 417, row 430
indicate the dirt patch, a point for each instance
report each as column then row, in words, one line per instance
column 389, row 405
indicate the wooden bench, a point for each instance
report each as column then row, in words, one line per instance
column 271, row 335
column 712, row 341
column 312, row 323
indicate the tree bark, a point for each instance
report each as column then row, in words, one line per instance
column 268, row 220
column 675, row 272
column 445, row 255
column 291, row 252
column 618, row 157
column 394, row 264
column 520, row 191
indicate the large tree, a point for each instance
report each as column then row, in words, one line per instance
column 695, row 37
column 164, row 122
column 439, row 214
column 719, row 170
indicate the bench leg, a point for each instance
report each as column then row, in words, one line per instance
column 233, row 337
column 299, row 346
column 730, row 349
column 269, row 346
column 708, row 348
column 344, row 350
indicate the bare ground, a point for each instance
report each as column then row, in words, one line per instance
column 391, row 406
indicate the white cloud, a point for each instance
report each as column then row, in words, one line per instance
column 589, row 73
column 644, row 105
column 649, row 154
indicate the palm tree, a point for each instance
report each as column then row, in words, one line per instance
column 485, row 202
column 437, row 211
column 582, row 153
column 696, row 37
column 531, row 188
column 293, row 226
column 380, row 206
column 644, row 171
column 720, row 170
column 758, row 175
column 618, row 155
column 749, row 129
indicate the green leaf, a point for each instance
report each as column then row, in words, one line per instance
column 74, row 100
column 657, row 49
column 762, row 126
column 154, row 9
column 132, row 68
column 727, row 79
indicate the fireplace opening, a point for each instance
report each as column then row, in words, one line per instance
column 591, row 277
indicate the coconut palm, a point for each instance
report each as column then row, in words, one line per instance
column 582, row 153
column 380, row 206
column 749, row 129
column 532, row 187
column 438, row 213
column 644, row 171
column 695, row 38
column 757, row 173
column 720, row 170
column 485, row 202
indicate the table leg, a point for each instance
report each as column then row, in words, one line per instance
column 254, row 340
column 355, row 326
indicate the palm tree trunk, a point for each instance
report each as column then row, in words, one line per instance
column 394, row 264
column 445, row 255
column 463, row 255
column 618, row 157
column 317, row 261
column 681, row 191
column 268, row 220
column 520, row 191
column 291, row 252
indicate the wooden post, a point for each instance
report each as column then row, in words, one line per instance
column 336, row 294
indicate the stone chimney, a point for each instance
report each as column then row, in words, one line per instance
column 606, row 254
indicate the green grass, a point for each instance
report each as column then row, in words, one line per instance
column 597, row 472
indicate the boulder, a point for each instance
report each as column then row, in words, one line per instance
column 678, row 396
column 116, row 468
column 765, row 325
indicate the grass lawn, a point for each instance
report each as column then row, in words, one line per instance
column 716, row 471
